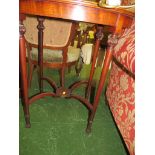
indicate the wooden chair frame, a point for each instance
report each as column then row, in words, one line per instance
column 58, row 65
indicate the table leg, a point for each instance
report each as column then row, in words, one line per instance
column 99, row 36
column 23, row 72
column 99, row 89
column 108, row 57
column 40, row 51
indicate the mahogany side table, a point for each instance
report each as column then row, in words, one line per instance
column 73, row 10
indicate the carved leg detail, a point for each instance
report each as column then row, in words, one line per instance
column 40, row 51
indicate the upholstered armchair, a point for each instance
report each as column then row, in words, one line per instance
column 57, row 50
column 120, row 91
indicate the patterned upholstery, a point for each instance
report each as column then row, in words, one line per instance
column 124, row 52
column 52, row 33
column 120, row 91
column 52, row 37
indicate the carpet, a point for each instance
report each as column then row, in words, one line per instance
column 58, row 124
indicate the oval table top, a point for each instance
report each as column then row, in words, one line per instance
column 76, row 10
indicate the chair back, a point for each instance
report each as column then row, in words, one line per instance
column 56, row 33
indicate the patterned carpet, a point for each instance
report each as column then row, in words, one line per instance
column 58, row 125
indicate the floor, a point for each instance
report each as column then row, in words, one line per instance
column 58, row 125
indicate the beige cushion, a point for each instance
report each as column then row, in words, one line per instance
column 56, row 55
column 56, row 33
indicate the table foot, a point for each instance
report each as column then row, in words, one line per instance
column 27, row 120
column 28, row 125
column 89, row 127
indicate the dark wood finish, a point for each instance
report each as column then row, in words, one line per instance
column 78, row 11
column 40, row 49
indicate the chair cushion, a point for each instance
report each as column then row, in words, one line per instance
column 124, row 50
column 56, row 55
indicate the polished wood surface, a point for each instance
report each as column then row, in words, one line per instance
column 75, row 10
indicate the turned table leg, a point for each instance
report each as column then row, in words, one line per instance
column 112, row 41
column 40, row 51
column 99, row 36
column 23, row 72
column 108, row 57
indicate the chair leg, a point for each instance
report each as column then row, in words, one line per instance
column 31, row 69
column 78, row 66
